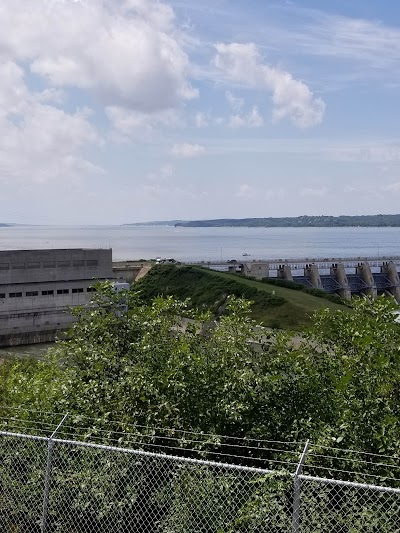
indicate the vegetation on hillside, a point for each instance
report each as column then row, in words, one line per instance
column 275, row 307
column 339, row 384
column 300, row 222
column 128, row 365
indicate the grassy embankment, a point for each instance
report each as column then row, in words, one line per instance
column 276, row 307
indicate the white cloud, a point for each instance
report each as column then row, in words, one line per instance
column 235, row 102
column 128, row 124
column 314, row 192
column 246, row 191
column 127, row 52
column 242, row 63
column 369, row 41
column 163, row 174
column 201, row 120
column 252, row 120
column 39, row 142
column 187, row 150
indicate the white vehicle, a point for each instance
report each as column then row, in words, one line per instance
column 168, row 260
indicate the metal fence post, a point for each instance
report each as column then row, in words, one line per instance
column 47, row 479
column 296, row 490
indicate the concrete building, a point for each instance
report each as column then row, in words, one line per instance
column 38, row 286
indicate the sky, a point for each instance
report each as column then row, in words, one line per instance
column 118, row 111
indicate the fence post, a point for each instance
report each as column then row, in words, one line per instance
column 47, row 478
column 296, row 490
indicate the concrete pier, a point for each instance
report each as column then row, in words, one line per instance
column 389, row 269
column 369, row 288
column 284, row 272
column 338, row 273
column 312, row 274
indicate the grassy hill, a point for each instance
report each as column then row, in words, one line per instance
column 277, row 307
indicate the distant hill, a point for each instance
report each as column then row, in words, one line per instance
column 158, row 223
column 299, row 222
column 4, row 225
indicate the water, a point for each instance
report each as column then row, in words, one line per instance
column 209, row 244
column 25, row 352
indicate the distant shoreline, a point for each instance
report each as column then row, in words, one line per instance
column 365, row 221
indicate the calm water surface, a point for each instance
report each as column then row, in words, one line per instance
column 209, row 244
column 33, row 350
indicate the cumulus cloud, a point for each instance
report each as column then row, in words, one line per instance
column 128, row 124
column 243, row 64
column 40, row 142
column 127, row 52
column 126, row 55
column 201, row 120
column 187, row 150
column 250, row 120
column 246, row 191
column 235, row 102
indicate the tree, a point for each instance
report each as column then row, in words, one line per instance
column 139, row 367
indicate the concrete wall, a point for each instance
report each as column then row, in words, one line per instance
column 258, row 270
column 37, row 287
column 33, row 266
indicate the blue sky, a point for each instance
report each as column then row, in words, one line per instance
column 115, row 111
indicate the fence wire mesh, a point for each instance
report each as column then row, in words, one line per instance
column 57, row 485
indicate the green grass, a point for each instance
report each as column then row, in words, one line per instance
column 276, row 307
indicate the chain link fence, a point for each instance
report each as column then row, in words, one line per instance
column 50, row 484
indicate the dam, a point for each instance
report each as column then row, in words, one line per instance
column 345, row 277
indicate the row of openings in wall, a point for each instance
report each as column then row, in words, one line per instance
column 46, row 293
column 49, row 264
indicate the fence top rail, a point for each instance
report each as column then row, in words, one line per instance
column 355, row 484
column 23, row 436
column 164, row 457
column 203, row 462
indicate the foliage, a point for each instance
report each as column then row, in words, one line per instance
column 203, row 289
column 337, row 384
column 130, row 361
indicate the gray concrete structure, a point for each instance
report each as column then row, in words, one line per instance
column 364, row 271
column 38, row 286
column 338, row 273
column 345, row 276
column 311, row 272
column 256, row 269
column 284, row 272
column 388, row 268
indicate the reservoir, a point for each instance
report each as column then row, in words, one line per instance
column 209, row 244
